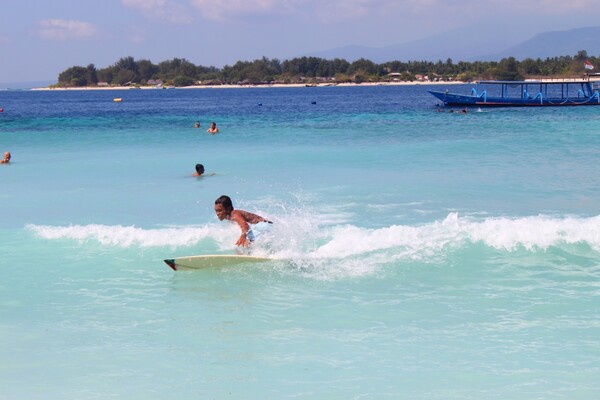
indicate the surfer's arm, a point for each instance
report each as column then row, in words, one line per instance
column 253, row 218
column 241, row 221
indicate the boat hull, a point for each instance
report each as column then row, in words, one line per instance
column 458, row 100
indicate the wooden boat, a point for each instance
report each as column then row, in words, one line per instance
column 528, row 93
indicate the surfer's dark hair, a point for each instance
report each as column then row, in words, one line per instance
column 200, row 168
column 225, row 201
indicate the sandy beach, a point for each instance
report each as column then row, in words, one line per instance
column 277, row 85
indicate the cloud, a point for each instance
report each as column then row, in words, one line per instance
column 505, row 7
column 352, row 9
column 330, row 10
column 230, row 9
column 553, row 6
column 168, row 10
column 60, row 29
column 182, row 11
column 339, row 9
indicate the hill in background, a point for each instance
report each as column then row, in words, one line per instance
column 553, row 44
column 459, row 45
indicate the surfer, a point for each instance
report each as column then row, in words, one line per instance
column 6, row 158
column 224, row 210
column 213, row 128
column 197, row 124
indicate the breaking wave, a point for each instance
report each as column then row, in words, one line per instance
column 293, row 238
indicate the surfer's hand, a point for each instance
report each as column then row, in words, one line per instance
column 242, row 241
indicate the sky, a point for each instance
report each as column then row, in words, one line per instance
column 41, row 38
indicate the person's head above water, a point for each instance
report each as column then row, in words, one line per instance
column 213, row 128
column 199, row 169
column 223, row 207
column 6, row 158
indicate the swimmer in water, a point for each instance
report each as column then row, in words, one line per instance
column 6, row 158
column 213, row 128
column 199, row 170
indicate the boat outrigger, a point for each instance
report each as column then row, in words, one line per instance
column 528, row 93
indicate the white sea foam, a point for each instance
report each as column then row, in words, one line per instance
column 124, row 236
column 509, row 234
column 304, row 237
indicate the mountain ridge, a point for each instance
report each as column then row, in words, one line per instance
column 458, row 45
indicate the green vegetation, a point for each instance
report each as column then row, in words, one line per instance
column 312, row 70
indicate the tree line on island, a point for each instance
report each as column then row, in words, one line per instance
column 315, row 70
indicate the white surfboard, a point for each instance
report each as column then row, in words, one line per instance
column 215, row 260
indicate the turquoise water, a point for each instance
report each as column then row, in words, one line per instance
column 419, row 254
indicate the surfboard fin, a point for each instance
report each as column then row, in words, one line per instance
column 171, row 263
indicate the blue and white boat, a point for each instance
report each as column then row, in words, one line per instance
column 528, row 93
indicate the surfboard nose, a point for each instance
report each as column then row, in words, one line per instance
column 171, row 263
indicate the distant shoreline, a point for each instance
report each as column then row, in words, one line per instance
column 277, row 85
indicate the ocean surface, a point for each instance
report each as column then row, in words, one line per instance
column 418, row 254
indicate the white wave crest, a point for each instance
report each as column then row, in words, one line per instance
column 531, row 233
column 124, row 236
column 305, row 238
